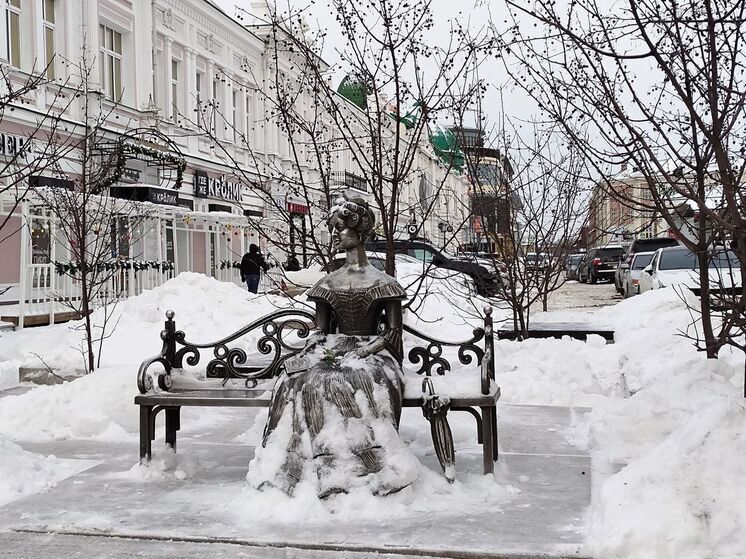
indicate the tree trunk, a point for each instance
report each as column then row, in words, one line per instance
column 85, row 309
column 711, row 345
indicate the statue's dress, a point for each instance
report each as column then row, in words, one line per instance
column 334, row 415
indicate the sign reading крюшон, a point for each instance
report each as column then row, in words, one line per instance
column 206, row 186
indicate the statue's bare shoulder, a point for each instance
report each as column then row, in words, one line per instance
column 348, row 277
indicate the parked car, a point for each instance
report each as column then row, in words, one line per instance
column 489, row 261
column 571, row 266
column 640, row 245
column 679, row 266
column 307, row 277
column 539, row 261
column 631, row 274
column 600, row 263
column 488, row 284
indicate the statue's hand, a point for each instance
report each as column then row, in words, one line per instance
column 362, row 352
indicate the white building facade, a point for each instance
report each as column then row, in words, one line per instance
column 198, row 77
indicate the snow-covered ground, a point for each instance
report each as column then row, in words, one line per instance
column 665, row 430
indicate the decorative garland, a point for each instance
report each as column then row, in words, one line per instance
column 72, row 268
column 138, row 149
column 163, row 156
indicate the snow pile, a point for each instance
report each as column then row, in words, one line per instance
column 679, row 439
column 165, row 463
column 444, row 303
column 24, row 473
column 98, row 406
column 8, row 374
column 667, row 431
column 430, row 493
column 206, row 309
column 681, row 494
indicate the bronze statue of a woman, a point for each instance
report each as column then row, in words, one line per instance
column 335, row 409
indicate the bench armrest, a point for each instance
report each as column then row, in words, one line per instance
column 430, row 357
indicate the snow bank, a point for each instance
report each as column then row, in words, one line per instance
column 8, row 374
column 100, row 405
column 670, row 458
column 25, row 473
column 205, row 308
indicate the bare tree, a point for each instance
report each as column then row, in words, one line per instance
column 96, row 227
column 370, row 135
column 658, row 86
column 529, row 199
column 27, row 155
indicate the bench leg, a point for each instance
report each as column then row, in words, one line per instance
column 494, row 432
column 173, row 424
column 488, row 444
column 145, row 438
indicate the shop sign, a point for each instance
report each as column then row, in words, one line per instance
column 37, row 181
column 294, row 208
column 163, row 197
column 158, row 196
column 206, row 186
column 10, row 146
column 130, row 175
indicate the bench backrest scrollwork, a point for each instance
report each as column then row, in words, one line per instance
column 230, row 363
column 227, row 362
column 430, row 359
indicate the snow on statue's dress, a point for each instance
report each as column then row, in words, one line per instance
column 335, row 409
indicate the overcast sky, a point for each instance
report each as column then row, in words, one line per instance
column 476, row 12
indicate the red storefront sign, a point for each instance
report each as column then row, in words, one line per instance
column 297, row 208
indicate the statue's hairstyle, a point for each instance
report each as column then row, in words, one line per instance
column 356, row 214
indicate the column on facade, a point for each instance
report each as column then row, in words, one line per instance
column 168, row 53
column 227, row 103
column 190, row 70
column 37, row 14
column 207, row 90
column 90, row 38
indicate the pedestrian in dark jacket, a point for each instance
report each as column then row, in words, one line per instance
column 252, row 265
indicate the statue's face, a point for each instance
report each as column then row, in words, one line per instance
column 343, row 237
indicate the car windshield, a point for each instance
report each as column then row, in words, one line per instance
column 725, row 259
column 685, row 260
column 574, row 260
column 641, row 261
column 614, row 253
column 677, row 260
column 651, row 245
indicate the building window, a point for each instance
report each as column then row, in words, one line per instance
column 235, row 123
column 13, row 32
column 175, row 89
column 213, row 115
column 110, row 42
column 49, row 23
column 249, row 119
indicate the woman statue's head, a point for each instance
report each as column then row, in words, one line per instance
column 351, row 222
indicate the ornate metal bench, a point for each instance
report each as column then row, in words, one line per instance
column 233, row 378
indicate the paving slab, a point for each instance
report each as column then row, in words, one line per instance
column 544, row 518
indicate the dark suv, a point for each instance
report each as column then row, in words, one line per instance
column 640, row 245
column 600, row 263
column 487, row 283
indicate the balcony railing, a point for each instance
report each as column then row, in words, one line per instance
column 350, row 180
